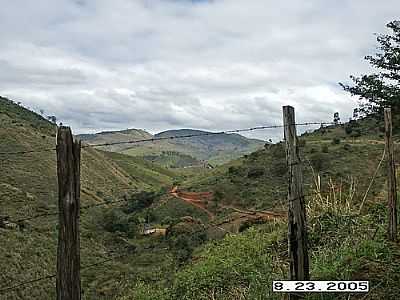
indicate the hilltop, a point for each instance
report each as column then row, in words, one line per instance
column 258, row 180
column 28, row 187
column 193, row 151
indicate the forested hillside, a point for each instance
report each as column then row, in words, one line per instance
column 29, row 188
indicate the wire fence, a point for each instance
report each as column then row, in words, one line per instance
column 174, row 137
column 20, row 285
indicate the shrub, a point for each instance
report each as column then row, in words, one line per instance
column 336, row 141
column 348, row 129
column 356, row 133
column 255, row 172
column 234, row 170
column 115, row 220
column 183, row 239
column 218, row 196
column 347, row 147
column 278, row 167
column 319, row 161
column 139, row 201
column 278, row 151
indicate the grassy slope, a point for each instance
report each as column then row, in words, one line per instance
column 243, row 266
column 28, row 187
column 238, row 267
column 258, row 180
column 115, row 136
column 344, row 245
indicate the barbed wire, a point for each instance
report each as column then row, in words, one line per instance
column 204, row 134
column 16, row 221
column 29, row 151
column 172, row 137
column 18, row 286
column 25, row 283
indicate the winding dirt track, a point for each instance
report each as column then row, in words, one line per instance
column 195, row 199
column 201, row 200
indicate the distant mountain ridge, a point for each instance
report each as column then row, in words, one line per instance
column 215, row 148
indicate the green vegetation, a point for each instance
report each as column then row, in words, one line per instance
column 381, row 88
column 139, row 169
column 178, row 153
column 173, row 159
column 189, row 259
column 258, row 180
column 343, row 245
column 28, row 187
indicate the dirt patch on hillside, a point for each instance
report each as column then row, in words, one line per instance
column 202, row 200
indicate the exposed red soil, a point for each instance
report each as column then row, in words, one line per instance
column 195, row 199
column 202, row 199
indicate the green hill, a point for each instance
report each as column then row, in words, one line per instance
column 195, row 260
column 115, row 136
column 258, row 180
column 28, row 187
column 215, row 149
column 344, row 243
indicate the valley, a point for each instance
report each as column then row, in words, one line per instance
column 188, row 232
column 203, row 150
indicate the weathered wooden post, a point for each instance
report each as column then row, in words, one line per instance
column 297, row 227
column 392, row 187
column 68, row 256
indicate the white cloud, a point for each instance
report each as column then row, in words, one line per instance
column 213, row 65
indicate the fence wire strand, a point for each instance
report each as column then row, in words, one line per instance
column 172, row 137
column 217, row 225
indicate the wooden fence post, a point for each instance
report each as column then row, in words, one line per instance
column 297, row 227
column 68, row 251
column 392, row 188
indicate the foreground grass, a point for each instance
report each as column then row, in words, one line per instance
column 343, row 246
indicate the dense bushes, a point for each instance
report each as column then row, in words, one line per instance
column 278, row 151
column 128, row 218
column 115, row 220
column 255, row 172
column 183, row 238
column 139, row 201
column 279, row 168
column 230, row 268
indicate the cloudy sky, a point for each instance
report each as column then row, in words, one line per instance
column 164, row 64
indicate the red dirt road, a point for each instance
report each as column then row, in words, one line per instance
column 195, row 199
column 201, row 200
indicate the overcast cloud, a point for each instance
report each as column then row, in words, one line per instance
column 165, row 64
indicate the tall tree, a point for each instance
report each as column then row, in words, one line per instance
column 382, row 87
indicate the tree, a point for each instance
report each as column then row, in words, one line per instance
column 336, row 118
column 382, row 87
column 355, row 114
